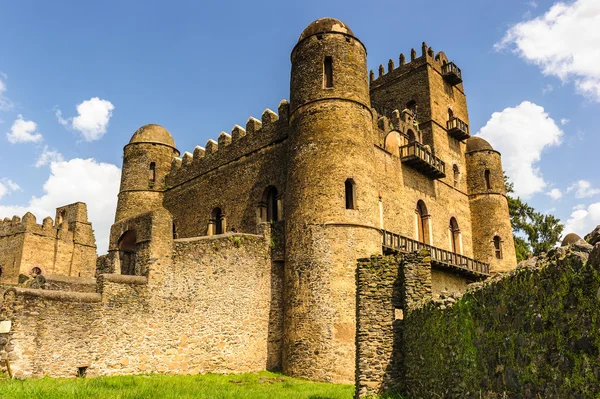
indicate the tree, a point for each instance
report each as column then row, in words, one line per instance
column 534, row 232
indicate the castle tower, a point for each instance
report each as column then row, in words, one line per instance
column 146, row 162
column 492, row 233
column 430, row 86
column 331, row 200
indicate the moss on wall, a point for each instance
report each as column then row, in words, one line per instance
column 529, row 334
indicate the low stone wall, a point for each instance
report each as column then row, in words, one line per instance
column 531, row 333
column 213, row 311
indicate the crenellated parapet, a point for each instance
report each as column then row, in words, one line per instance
column 257, row 134
column 437, row 62
column 28, row 225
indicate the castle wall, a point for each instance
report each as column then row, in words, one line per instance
column 401, row 187
column 233, row 176
column 217, row 309
column 529, row 333
column 66, row 249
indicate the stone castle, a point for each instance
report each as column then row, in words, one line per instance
column 242, row 255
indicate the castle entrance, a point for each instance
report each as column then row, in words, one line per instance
column 127, row 254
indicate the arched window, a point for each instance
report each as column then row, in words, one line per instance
column 422, row 222
column 450, row 113
column 488, row 183
column 455, row 236
column 412, row 137
column 350, row 192
column 269, row 207
column 217, row 221
column 127, row 249
column 152, row 172
column 456, row 174
column 498, row 247
column 412, row 107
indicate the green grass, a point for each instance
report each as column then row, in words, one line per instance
column 264, row 385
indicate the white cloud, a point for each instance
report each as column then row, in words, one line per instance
column 5, row 103
column 23, row 131
column 92, row 119
column 521, row 134
column 563, row 43
column 578, row 207
column 583, row 221
column 564, row 121
column 583, row 189
column 86, row 180
column 48, row 156
column 7, row 186
column 555, row 193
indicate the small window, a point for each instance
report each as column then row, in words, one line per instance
column 269, row 207
column 498, row 247
column 488, row 183
column 152, row 172
column 412, row 107
column 456, row 174
column 450, row 114
column 350, row 189
column 81, row 371
column 455, row 236
column 174, row 231
column 328, row 72
column 422, row 222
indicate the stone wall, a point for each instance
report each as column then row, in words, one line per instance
column 530, row 333
column 216, row 308
column 63, row 247
column 387, row 288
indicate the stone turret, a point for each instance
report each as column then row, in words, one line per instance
column 331, row 200
column 492, row 233
column 146, row 162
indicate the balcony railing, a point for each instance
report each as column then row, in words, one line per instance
column 451, row 73
column 458, row 129
column 417, row 156
column 439, row 257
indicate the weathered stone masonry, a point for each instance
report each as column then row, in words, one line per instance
column 531, row 333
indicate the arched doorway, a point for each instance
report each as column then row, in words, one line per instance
column 455, row 236
column 127, row 255
column 422, row 223
column 217, row 221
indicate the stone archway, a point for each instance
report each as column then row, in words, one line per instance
column 127, row 252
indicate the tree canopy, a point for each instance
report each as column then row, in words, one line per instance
column 534, row 232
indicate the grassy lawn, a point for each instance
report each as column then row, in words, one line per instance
column 262, row 385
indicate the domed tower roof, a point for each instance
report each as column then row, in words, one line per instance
column 478, row 144
column 325, row 25
column 569, row 239
column 152, row 134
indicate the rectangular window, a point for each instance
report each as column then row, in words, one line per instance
column 328, row 72
column 152, row 172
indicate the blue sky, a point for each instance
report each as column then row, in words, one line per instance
column 78, row 78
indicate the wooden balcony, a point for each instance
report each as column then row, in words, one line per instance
column 451, row 74
column 439, row 257
column 418, row 157
column 458, row 129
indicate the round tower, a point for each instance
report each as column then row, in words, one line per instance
column 492, row 233
column 146, row 162
column 331, row 200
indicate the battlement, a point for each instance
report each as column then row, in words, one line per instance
column 258, row 134
column 28, row 224
column 427, row 57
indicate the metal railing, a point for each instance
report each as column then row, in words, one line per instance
column 451, row 68
column 418, row 150
column 456, row 124
column 439, row 256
